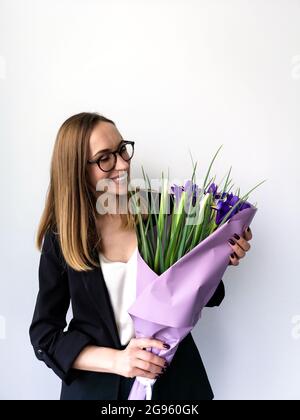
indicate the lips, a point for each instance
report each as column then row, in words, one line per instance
column 120, row 178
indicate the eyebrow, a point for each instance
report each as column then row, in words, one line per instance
column 107, row 150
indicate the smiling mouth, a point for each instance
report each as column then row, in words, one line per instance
column 120, row 178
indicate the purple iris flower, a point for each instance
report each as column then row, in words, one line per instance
column 223, row 207
column 192, row 190
column 213, row 189
column 177, row 191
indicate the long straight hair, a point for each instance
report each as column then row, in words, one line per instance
column 70, row 206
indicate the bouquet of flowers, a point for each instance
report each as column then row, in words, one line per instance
column 182, row 255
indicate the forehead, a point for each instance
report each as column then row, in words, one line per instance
column 104, row 136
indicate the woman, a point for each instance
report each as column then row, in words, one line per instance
column 87, row 259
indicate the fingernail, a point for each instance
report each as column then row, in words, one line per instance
column 166, row 346
column 236, row 236
column 233, row 255
column 166, row 364
column 231, row 241
column 248, row 229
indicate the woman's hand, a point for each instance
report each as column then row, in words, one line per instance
column 135, row 360
column 239, row 246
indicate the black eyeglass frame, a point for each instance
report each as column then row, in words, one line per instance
column 124, row 142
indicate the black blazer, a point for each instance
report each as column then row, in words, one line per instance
column 94, row 323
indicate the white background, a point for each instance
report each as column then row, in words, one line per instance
column 174, row 76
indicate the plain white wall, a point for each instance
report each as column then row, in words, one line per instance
column 174, row 75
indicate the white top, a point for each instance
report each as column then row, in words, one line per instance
column 120, row 279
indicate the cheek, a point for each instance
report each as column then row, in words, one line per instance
column 94, row 176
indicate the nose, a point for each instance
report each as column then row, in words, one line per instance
column 121, row 164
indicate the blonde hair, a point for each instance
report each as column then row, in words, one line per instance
column 70, row 207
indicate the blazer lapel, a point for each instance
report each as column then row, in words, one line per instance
column 97, row 290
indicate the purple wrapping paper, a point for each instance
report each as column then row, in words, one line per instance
column 168, row 306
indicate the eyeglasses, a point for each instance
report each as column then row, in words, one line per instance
column 108, row 161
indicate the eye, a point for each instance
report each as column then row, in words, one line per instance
column 123, row 147
column 104, row 158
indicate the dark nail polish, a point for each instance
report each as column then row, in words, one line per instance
column 248, row 229
column 166, row 346
column 166, row 364
column 236, row 236
column 231, row 241
column 233, row 255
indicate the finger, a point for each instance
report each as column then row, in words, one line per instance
column 247, row 234
column 152, row 358
column 236, row 248
column 148, row 367
column 144, row 373
column 234, row 259
column 242, row 242
column 150, row 342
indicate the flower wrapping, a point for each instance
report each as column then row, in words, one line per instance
column 168, row 306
